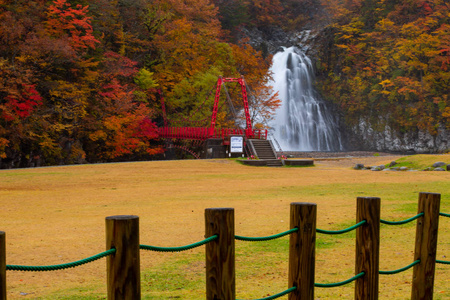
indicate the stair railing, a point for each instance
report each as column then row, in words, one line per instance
column 272, row 137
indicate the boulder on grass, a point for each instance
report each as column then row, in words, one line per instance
column 358, row 167
column 439, row 164
column 393, row 163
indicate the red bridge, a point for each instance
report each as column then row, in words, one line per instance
column 204, row 133
column 199, row 133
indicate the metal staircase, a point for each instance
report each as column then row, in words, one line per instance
column 263, row 149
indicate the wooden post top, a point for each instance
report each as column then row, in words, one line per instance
column 122, row 217
column 303, row 203
column 429, row 193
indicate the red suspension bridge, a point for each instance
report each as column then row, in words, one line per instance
column 211, row 132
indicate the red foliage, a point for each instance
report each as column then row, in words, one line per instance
column 63, row 19
column 146, row 129
column 125, row 127
column 21, row 106
column 116, row 65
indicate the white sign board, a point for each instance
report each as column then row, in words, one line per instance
column 236, row 144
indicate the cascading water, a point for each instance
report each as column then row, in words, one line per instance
column 303, row 122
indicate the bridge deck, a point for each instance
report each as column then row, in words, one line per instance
column 204, row 133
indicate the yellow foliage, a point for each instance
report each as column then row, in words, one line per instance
column 343, row 47
column 98, row 135
column 3, row 144
column 446, row 112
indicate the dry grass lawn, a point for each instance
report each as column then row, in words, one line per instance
column 56, row 215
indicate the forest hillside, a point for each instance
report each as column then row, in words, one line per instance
column 82, row 81
column 387, row 65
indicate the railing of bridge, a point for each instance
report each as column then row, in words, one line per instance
column 203, row 133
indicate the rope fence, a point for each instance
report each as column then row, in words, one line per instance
column 279, row 294
column 123, row 235
column 61, row 266
column 178, row 249
column 265, row 238
column 402, row 222
column 401, row 269
column 343, row 230
column 328, row 285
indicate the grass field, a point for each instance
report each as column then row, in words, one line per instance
column 57, row 215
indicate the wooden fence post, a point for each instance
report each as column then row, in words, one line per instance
column 220, row 254
column 367, row 248
column 425, row 248
column 2, row 265
column 302, row 246
column 123, row 267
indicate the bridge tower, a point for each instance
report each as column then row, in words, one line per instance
column 215, row 140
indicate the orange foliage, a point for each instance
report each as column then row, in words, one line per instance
column 391, row 57
column 76, row 80
column 63, row 19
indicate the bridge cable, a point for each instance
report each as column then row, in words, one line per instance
column 232, row 108
column 264, row 119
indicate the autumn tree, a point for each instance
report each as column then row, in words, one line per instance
column 119, row 126
column 233, row 14
column 19, row 91
column 79, row 78
column 191, row 56
column 51, row 70
column 391, row 59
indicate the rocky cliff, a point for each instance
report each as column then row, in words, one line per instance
column 365, row 135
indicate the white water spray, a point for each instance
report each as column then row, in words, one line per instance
column 303, row 122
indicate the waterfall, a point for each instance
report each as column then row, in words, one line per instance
column 303, row 122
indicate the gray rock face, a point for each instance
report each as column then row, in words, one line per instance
column 439, row 164
column 393, row 163
column 273, row 39
column 439, row 169
column 364, row 136
column 358, row 167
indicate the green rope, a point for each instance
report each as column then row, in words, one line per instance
column 402, row 222
column 343, row 230
column 61, row 266
column 328, row 285
column 279, row 294
column 444, row 214
column 443, row 262
column 400, row 270
column 265, row 238
column 181, row 248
